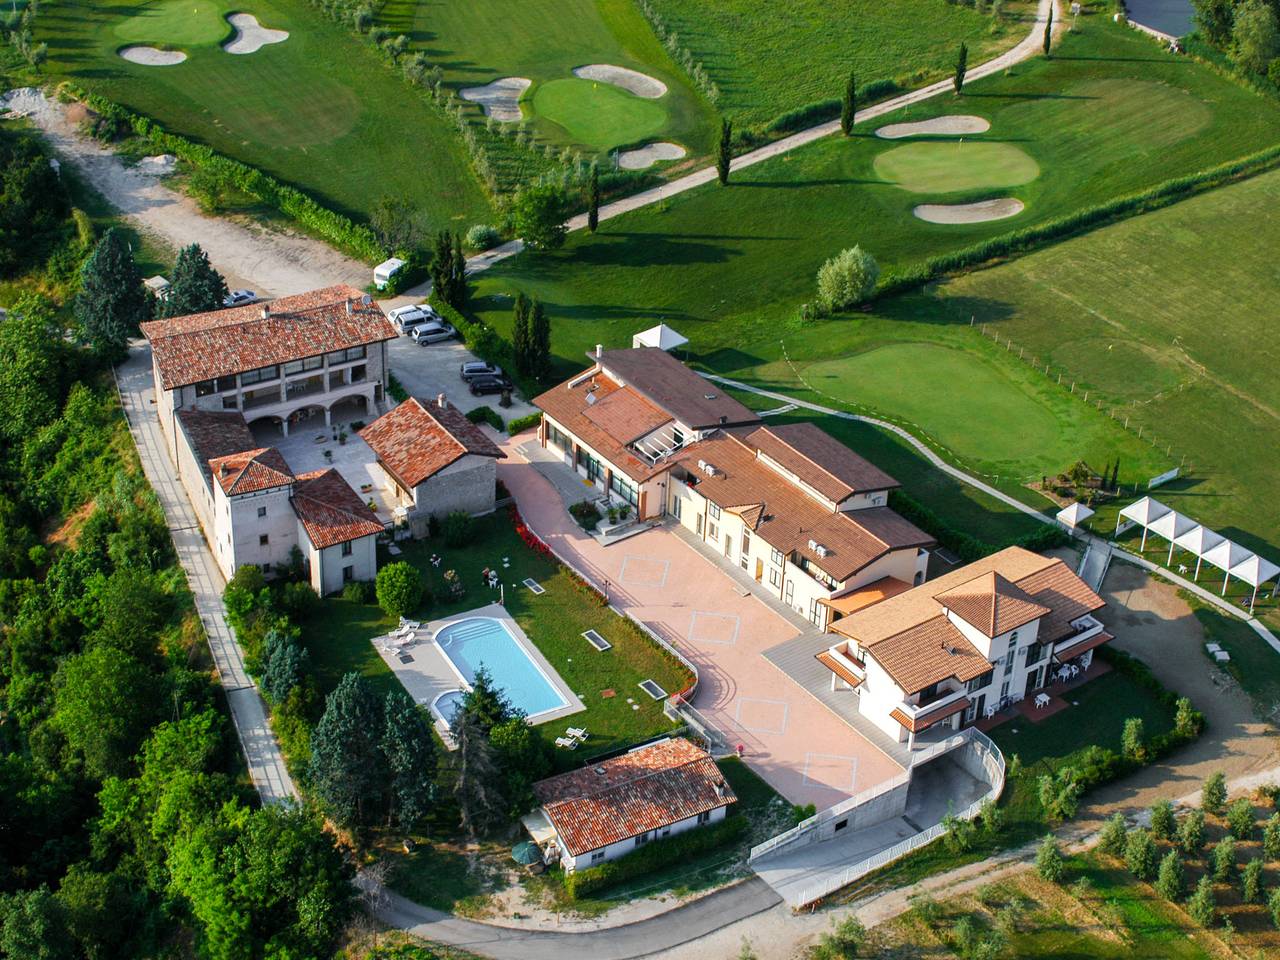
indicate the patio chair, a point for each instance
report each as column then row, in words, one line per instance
column 567, row 743
column 578, row 733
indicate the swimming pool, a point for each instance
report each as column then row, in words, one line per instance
column 486, row 642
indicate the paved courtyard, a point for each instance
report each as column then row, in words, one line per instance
column 800, row 747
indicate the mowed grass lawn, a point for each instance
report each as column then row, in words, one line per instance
column 1165, row 316
column 767, row 60
column 481, row 41
column 320, row 110
column 339, row 638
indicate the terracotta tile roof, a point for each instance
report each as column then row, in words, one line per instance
column 790, row 518
column 205, row 345
column 992, row 604
column 568, row 407
column 647, row 789
column 330, row 511
column 215, row 434
column 669, row 384
column 419, row 438
column 1067, row 595
column 819, row 459
column 926, row 720
column 250, row 471
column 839, row 669
column 866, row 596
column 928, row 653
column 625, row 415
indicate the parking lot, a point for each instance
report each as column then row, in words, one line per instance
column 427, row 371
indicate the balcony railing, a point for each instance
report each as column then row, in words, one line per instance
column 1086, row 627
column 915, row 710
column 304, row 388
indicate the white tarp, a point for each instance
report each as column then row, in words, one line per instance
column 1198, row 540
column 1171, row 526
column 661, row 336
column 1074, row 514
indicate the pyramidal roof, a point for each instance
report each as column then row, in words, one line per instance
column 991, row 604
column 251, row 470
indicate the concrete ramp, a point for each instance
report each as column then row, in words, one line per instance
column 1094, row 564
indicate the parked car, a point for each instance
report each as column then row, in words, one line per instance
column 433, row 332
column 482, row 385
column 238, row 298
column 479, row 368
column 406, row 318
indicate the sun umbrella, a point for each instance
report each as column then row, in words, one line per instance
column 526, row 853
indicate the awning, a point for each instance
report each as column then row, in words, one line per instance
column 1144, row 511
column 839, row 669
column 872, row 593
column 1227, row 555
column 1172, row 525
column 1073, row 651
column 926, row 720
column 1074, row 514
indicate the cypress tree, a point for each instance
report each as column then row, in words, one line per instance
column 112, row 300
column 593, row 200
column 442, row 267
column 540, row 340
column 410, row 755
column 962, row 64
column 196, row 287
column 724, row 152
column 458, row 288
column 347, row 772
column 1048, row 31
column 849, row 108
column 520, row 340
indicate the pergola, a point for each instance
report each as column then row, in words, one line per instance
column 1207, row 545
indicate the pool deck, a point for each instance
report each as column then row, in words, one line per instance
column 430, row 673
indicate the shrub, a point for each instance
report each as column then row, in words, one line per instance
column 485, row 414
column 1202, row 906
column 927, row 908
column 960, row 834
column 992, row 818
column 457, row 529
column 1224, row 859
column 1191, row 833
column 1171, row 881
column 1060, row 794
column 847, row 279
column 1140, row 854
column 483, row 236
column 1271, row 837
column 1251, row 881
column 520, row 424
column 358, row 591
column 1049, row 863
column 1273, row 907
column 655, row 855
column 1113, row 836
column 1240, row 820
column 1213, row 795
column 299, row 601
column 1132, row 740
column 399, row 589
column 845, row 939
column 1163, row 823
column 1187, row 722
column 586, row 513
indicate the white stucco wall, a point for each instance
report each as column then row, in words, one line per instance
column 238, row 527
column 327, row 566
column 623, row 847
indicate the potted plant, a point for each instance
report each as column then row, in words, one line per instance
column 328, row 455
column 342, row 437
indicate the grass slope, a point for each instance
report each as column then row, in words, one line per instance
column 1169, row 329
column 767, row 62
column 319, row 110
column 543, row 40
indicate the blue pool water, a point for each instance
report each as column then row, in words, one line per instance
column 485, row 642
column 447, row 703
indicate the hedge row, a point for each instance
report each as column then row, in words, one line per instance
column 486, row 414
column 655, row 855
column 480, row 338
column 334, row 227
column 967, row 547
column 520, row 424
column 820, row 111
column 1021, row 241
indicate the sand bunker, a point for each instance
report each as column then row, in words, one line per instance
column 151, row 56
column 251, row 36
column 938, row 127
column 500, row 99
column 641, row 84
column 979, row 212
column 649, row 154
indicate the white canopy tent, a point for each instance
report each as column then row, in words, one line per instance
column 1225, row 556
column 1256, row 571
column 1143, row 512
column 1198, row 540
column 1171, row 526
column 1074, row 514
column 661, row 336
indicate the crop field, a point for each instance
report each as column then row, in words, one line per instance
column 767, row 61
column 1171, row 328
column 544, row 40
column 318, row 110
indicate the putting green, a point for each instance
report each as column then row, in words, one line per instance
column 968, row 405
column 179, row 23
column 598, row 115
column 930, row 166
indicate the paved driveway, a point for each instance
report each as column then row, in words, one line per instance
column 433, row 369
column 801, row 748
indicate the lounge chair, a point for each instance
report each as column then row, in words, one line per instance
column 578, row 733
column 568, row 743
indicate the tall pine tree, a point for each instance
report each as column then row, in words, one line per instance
column 724, row 151
column 458, row 285
column 593, row 199
column 520, row 338
column 347, row 771
column 540, row 337
column 479, row 782
column 196, row 287
column 410, row 755
column 962, row 65
column 849, row 108
column 112, row 300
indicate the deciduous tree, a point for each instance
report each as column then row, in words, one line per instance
column 30, row 368
column 1171, row 880
column 1255, row 35
column 847, row 279
column 399, row 588
column 538, row 215
column 1049, row 863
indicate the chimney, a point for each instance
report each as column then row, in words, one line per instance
column 441, row 402
column 599, row 350
column 720, row 789
column 266, row 311
column 348, row 306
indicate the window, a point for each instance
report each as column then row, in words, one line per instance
column 261, row 375
column 357, row 374
column 977, row 683
column 746, row 542
column 714, row 511
column 348, row 574
column 230, row 403
column 676, row 507
column 1004, row 689
column 1035, row 651
column 776, row 556
column 263, row 539
column 262, row 512
column 597, row 856
column 205, row 387
column 775, row 578
column 346, row 356
column 624, row 488
column 815, row 611
column 1013, row 638
column 1008, row 661
column 713, row 532
column 789, row 593
column 644, row 838
column 346, row 549
column 704, row 817
column 266, row 568
column 301, row 366
column 556, row 437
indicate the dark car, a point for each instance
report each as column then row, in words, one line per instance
column 482, row 385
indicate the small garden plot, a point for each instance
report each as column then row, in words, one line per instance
column 597, row 641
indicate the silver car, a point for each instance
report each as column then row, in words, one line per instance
column 433, row 332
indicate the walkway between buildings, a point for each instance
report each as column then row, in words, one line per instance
column 248, row 713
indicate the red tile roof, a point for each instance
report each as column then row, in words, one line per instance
column 250, row 471
column 927, row 719
column 647, row 789
column 992, row 604
column 215, row 434
column 819, row 459
column 202, row 346
column 419, row 438
column 625, row 415
column 568, row 407
column 839, row 669
column 330, row 511
column 927, row 653
column 669, row 384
